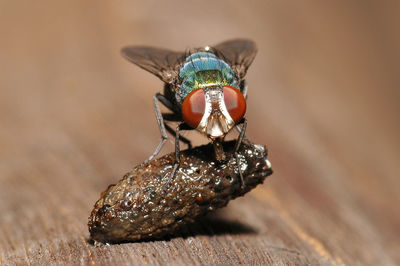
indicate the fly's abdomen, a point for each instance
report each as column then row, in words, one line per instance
column 202, row 70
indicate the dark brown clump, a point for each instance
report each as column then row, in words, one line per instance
column 145, row 205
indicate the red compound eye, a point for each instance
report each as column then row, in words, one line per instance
column 193, row 107
column 235, row 102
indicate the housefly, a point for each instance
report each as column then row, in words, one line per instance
column 204, row 89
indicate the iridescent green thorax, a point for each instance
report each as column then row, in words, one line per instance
column 202, row 70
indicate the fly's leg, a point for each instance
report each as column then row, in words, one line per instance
column 245, row 139
column 181, row 126
column 237, row 146
column 161, row 124
column 164, row 100
column 173, row 117
column 244, row 92
column 181, row 138
column 241, row 135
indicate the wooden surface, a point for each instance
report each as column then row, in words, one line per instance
column 323, row 96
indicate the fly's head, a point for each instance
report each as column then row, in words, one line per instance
column 214, row 110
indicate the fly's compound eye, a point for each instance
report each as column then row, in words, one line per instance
column 235, row 102
column 193, row 107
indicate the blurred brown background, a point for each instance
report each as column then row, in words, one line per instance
column 323, row 96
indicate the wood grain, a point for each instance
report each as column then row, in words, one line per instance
column 323, row 96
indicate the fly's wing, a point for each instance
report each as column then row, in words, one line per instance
column 161, row 62
column 239, row 53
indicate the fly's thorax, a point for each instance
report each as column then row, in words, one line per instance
column 203, row 69
column 214, row 110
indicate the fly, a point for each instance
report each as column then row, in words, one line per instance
column 204, row 89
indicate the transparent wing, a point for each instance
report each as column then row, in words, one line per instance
column 161, row 62
column 239, row 53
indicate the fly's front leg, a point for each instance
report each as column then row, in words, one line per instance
column 161, row 125
column 242, row 136
column 237, row 146
column 181, row 138
column 181, row 126
column 245, row 139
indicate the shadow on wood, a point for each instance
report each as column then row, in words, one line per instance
column 210, row 225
